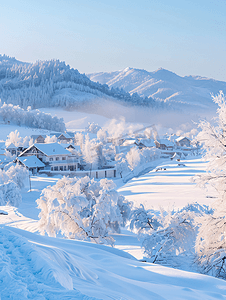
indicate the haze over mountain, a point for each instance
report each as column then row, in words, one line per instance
column 53, row 83
column 160, row 97
column 192, row 92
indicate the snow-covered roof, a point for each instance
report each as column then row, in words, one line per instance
column 35, row 136
column 11, row 146
column 66, row 145
column 31, row 161
column 128, row 142
column 57, row 134
column 181, row 138
column 52, row 149
column 148, row 142
column 48, row 149
column 66, row 135
column 165, row 142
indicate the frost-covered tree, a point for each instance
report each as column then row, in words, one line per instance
column 92, row 128
column 173, row 243
column 211, row 239
column 142, row 220
column 82, row 209
column 133, row 158
column 14, row 138
column 89, row 152
column 31, row 118
column 50, row 139
column 79, row 139
column 12, row 179
column 10, row 194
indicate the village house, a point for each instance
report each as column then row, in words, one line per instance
column 164, row 144
column 143, row 143
column 183, row 142
column 38, row 138
column 12, row 149
column 65, row 138
column 54, row 156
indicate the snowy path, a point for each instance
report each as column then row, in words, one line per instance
column 169, row 186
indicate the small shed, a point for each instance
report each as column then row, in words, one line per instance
column 32, row 163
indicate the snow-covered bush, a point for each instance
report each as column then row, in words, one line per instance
column 10, row 194
column 12, row 179
column 50, row 139
column 92, row 128
column 143, row 221
column 210, row 243
column 173, row 243
column 15, row 138
column 17, row 174
column 82, row 208
column 30, row 118
column 133, row 158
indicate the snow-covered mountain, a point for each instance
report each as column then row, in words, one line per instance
column 53, row 83
column 189, row 91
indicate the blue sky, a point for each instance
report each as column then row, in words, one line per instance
column 187, row 37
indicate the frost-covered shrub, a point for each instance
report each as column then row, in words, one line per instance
column 17, row 174
column 82, row 208
column 50, row 139
column 142, row 220
column 92, row 128
column 30, row 118
column 173, row 243
column 12, row 179
column 10, row 194
column 133, row 158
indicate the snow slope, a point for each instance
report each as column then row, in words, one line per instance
column 40, row 267
column 169, row 185
column 36, row 267
column 191, row 92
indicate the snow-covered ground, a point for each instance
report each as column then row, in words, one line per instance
column 169, row 185
column 37, row 267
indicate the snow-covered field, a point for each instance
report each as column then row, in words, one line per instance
column 38, row 267
column 169, row 185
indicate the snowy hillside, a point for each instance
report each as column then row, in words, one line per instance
column 53, row 83
column 41, row 267
column 185, row 92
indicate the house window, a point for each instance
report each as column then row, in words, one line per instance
column 61, row 168
column 50, row 159
column 51, row 168
column 65, row 168
column 71, row 168
column 63, row 158
column 57, row 158
column 105, row 174
column 55, row 168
